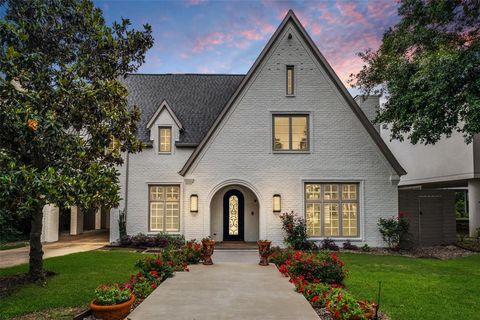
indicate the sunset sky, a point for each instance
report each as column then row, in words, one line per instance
column 204, row 36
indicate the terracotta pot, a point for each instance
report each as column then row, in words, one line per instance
column 208, row 247
column 264, row 251
column 113, row 312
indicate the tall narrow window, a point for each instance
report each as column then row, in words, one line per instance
column 290, row 81
column 165, row 139
column 331, row 209
column 290, row 133
column 164, row 208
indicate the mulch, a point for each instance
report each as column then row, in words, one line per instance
column 323, row 314
column 434, row 252
column 10, row 283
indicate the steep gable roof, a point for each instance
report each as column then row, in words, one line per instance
column 165, row 106
column 330, row 73
column 195, row 99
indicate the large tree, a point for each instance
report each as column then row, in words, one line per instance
column 61, row 103
column 428, row 65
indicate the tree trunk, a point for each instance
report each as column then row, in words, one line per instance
column 35, row 271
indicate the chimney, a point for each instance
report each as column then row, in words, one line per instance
column 369, row 105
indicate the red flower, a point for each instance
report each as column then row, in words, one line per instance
column 345, row 308
column 315, row 298
column 288, row 262
column 159, row 262
column 153, row 285
column 297, row 255
column 153, row 273
column 337, row 314
column 316, row 281
column 170, row 262
column 339, row 297
column 283, row 268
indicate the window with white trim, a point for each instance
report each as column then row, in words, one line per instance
column 164, row 208
column 165, row 139
column 331, row 209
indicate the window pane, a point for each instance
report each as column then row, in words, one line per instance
column 156, row 216
column 313, row 219
column 173, row 193
column 165, row 139
column 299, row 133
column 349, row 192
column 282, row 136
column 290, row 80
column 312, row 191
column 172, row 216
column 330, row 219
column 330, row 192
column 156, row 193
column 349, row 219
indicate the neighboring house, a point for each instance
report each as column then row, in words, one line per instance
column 226, row 154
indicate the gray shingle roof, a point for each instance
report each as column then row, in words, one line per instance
column 196, row 99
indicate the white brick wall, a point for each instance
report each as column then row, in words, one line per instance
column 241, row 152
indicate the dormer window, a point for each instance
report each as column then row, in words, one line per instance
column 165, row 139
column 290, row 81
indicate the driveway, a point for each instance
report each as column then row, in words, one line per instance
column 235, row 287
column 66, row 245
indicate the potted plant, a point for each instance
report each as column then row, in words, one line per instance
column 112, row 302
column 264, row 251
column 208, row 245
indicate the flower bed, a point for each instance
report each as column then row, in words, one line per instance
column 159, row 240
column 319, row 277
column 153, row 270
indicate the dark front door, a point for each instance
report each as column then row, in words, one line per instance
column 233, row 207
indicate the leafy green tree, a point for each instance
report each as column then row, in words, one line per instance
column 60, row 103
column 428, row 65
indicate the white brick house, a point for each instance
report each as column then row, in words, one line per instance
column 221, row 149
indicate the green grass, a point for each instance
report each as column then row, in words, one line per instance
column 417, row 288
column 12, row 245
column 77, row 276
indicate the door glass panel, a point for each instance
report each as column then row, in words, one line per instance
column 233, row 216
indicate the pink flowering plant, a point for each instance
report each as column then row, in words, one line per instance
column 164, row 268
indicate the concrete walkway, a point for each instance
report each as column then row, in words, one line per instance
column 235, row 287
column 67, row 245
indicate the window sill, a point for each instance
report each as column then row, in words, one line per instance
column 291, row 152
column 290, row 95
column 164, row 152
column 336, row 238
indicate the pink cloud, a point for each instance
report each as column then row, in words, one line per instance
column 190, row 3
column 210, row 40
column 316, row 28
column 350, row 10
column 251, row 34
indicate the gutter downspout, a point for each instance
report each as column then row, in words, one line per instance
column 126, row 186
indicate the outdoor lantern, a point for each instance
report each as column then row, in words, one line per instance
column 193, row 203
column 277, row 203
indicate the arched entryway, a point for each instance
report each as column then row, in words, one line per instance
column 234, row 213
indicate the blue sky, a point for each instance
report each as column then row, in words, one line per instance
column 205, row 36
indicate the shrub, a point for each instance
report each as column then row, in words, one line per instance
column 164, row 268
column 347, row 245
column 278, row 255
column 477, row 233
column 393, row 230
column 315, row 267
column 366, row 248
column 111, row 294
column 160, row 240
column 342, row 305
column 329, row 244
column 122, row 224
column 141, row 286
column 296, row 232
column 191, row 252
column 315, row 293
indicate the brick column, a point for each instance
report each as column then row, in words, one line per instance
column 76, row 221
column 474, row 205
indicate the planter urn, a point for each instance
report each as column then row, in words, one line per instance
column 264, row 251
column 207, row 250
column 112, row 312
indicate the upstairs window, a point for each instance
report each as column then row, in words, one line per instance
column 165, row 139
column 290, row 81
column 290, row 133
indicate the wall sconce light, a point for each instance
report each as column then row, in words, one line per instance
column 277, row 203
column 193, row 203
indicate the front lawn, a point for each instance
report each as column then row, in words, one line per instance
column 415, row 288
column 77, row 275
